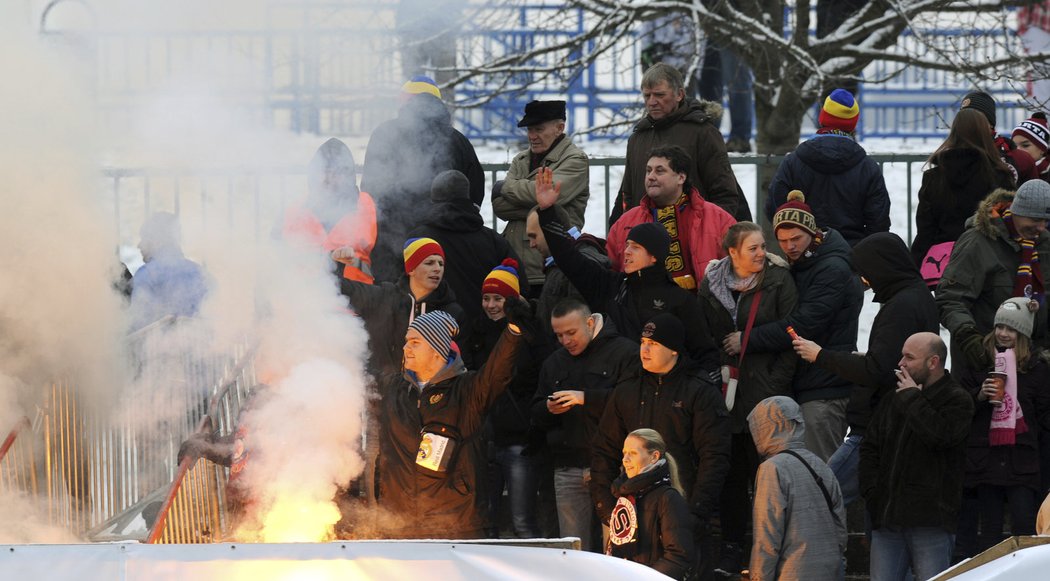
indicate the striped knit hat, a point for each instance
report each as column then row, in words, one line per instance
column 841, row 111
column 437, row 328
column 420, row 84
column 418, row 249
column 795, row 213
column 1035, row 130
column 503, row 280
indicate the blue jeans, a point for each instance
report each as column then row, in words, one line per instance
column 521, row 477
column 737, row 77
column 927, row 550
column 845, row 463
column 576, row 516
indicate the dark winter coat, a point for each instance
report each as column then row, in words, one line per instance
column 911, row 457
column 453, row 403
column 387, row 309
column 693, row 126
column 689, row 413
column 950, row 192
column 630, row 300
column 664, row 532
column 509, row 416
column 1016, row 465
column 907, row 308
column 843, row 186
column 607, row 360
column 404, row 155
column 557, row 287
column 762, row 374
column 980, row 275
column 472, row 250
column 830, row 297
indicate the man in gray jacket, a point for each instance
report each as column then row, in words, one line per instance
column 799, row 518
column 514, row 196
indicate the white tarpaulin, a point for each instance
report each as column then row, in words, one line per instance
column 1020, row 565
column 380, row 560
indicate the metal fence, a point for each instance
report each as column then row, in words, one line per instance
column 334, row 68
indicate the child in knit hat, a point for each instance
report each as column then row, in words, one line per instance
column 501, row 284
column 1033, row 137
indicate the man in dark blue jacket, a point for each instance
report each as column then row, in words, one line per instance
column 843, row 185
column 830, row 297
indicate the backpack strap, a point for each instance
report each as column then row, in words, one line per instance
column 817, row 479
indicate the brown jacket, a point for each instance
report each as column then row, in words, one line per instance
column 691, row 126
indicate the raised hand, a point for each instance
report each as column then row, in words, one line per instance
column 547, row 191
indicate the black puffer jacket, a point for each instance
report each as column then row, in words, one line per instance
column 1016, row 465
column 472, row 249
column 949, row 195
column 403, row 156
column 630, row 300
column 509, row 416
column 606, row 361
column 690, row 415
column 843, row 186
column 663, row 536
column 830, row 297
column 453, row 404
column 693, row 127
column 763, row 374
column 907, row 308
column 911, row 457
column 387, row 309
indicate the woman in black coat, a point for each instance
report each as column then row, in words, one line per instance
column 1002, row 454
column 962, row 171
column 651, row 523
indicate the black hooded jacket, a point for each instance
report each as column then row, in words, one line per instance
column 404, row 155
column 843, row 186
column 630, row 300
column 387, row 309
column 472, row 249
column 830, row 297
column 607, row 360
column 691, row 416
column 663, row 538
column 950, row 192
column 907, row 308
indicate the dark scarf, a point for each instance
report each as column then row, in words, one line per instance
column 677, row 266
column 626, row 539
column 536, row 159
column 1028, row 280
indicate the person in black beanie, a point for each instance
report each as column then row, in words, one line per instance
column 676, row 398
column 1020, row 162
column 642, row 291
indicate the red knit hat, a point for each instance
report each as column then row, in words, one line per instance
column 840, row 111
column 795, row 214
column 503, row 280
column 418, row 249
column 1035, row 130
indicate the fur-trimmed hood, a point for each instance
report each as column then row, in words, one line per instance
column 690, row 111
column 988, row 218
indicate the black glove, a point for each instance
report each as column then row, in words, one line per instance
column 971, row 343
column 497, row 189
column 519, row 313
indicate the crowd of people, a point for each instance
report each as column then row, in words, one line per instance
column 678, row 394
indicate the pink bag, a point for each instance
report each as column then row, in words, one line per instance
column 934, row 263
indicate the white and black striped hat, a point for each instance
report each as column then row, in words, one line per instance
column 1035, row 129
column 437, row 328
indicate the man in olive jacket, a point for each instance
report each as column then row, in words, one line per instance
column 671, row 119
column 515, row 195
column 911, row 464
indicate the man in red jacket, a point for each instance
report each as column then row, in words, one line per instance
column 696, row 226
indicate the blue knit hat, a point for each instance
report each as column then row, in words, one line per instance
column 437, row 328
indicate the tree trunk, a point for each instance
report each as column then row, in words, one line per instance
column 779, row 115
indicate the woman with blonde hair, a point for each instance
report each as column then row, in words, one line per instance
column 651, row 523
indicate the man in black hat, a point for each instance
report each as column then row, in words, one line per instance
column 674, row 397
column 514, row 196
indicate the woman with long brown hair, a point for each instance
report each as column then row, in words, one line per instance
column 959, row 174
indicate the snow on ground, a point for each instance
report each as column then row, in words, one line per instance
column 896, row 175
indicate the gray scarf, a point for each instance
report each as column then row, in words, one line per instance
column 724, row 282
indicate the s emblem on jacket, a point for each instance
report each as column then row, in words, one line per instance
column 436, row 398
column 623, row 526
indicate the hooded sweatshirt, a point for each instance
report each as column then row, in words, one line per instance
column 796, row 534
